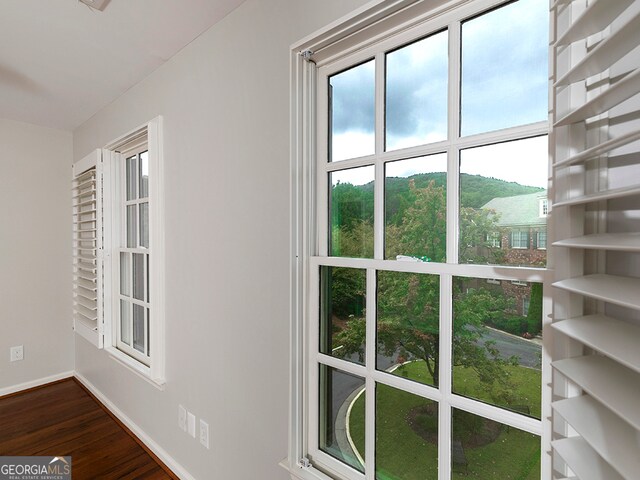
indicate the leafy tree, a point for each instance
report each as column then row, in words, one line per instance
column 408, row 304
column 422, row 232
column 476, row 228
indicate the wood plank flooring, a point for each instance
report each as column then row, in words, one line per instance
column 63, row 419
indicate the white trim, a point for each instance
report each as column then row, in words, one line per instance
column 152, row 131
column 35, row 383
column 135, row 366
column 162, row 454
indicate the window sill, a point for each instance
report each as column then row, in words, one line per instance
column 136, row 367
column 299, row 472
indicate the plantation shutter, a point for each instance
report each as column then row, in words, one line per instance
column 596, row 302
column 87, row 248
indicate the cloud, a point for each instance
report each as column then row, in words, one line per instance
column 417, row 92
column 504, row 68
column 353, row 99
column 504, row 83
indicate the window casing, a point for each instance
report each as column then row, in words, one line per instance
column 326, row 254
column 130, row 253
column 544, row 207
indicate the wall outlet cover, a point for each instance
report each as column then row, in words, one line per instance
column 204, row 433
column 191, row 424
column 182, row 418
column 16, row 353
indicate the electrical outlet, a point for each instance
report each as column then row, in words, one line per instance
column 204, row 433
column 182, row 418
column 16, row 353
column 191, row 424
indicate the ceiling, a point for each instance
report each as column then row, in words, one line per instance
column 61, row 61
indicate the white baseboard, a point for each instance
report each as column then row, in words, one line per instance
column 168, row 460
column 35, row 383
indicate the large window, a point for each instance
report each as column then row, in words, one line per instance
column 421, row 361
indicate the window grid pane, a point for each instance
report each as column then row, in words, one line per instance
column 133, row 325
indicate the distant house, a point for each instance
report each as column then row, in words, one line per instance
column 522, row 222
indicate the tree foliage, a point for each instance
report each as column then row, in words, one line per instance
column 408, row 316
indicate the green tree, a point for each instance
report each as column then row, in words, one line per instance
column 409, row 304
column 534, row 316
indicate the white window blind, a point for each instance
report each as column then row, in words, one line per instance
column 87, row 246
column 596, row 172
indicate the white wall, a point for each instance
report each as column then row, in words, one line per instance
column 35, row 241
column 225, row 102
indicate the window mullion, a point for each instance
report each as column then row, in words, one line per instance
column 453, row 163
column 378, row 210
column 370, row 403
column 322, row 160
column 446, row 355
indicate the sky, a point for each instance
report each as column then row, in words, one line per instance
column 521, row 161
column 504, row 84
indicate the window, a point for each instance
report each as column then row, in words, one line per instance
column 544, row 207
column 520, row 239
column 541, row 239
column 126, row 246
column 494, row 240
column 525, row 306
column 399, row 303
column 133, row 323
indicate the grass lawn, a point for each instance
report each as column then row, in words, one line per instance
column 403, row 454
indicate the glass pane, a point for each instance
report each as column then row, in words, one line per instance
column 138, row 276
column 144, row 175
column 406, row 435
column 415, row 213
column 416, row 92
column 482, row 448
column 352, row 112
column 408, row 335
column 497, row 342
column 125, row 322
column 351, row 210
column 504, row 67
column 144, row 225
column 138, row 328
column 338, row 391
column 132, row 238
column 131, row 177
column 342, row 313
column 125, row 274
column 502, row 203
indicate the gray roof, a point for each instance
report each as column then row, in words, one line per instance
column 519, row 209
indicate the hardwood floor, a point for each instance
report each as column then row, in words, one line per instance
column 62, row 419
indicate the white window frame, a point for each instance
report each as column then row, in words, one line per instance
column 150, row 368
column 331, row 50
column 539, row 233
column 494, row 239
column 544, row 207
column 521, row 234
